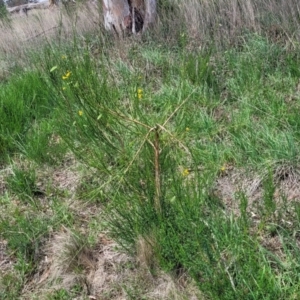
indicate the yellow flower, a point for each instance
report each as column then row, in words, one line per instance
column 139, row 94
column 80, row 113
column 63, row 57
column 63, row 88
column 66, row 76
column 185, row 172
column 223, row 168
column 187, row 129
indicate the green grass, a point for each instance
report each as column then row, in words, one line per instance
column 160, row 135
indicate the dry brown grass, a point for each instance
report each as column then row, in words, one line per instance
column 102, row 270
column 44, row 26
column 145, row 247
column 220, row 21
column 286, row 179
column 105, row 272
column 224, row 21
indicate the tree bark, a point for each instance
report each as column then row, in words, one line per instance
column 128, row 16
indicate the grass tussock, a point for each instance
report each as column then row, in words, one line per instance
column 157, row 167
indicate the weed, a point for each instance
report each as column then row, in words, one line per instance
column 24, row 237
column 60, row 294
column 23, row 184
column 184, row 148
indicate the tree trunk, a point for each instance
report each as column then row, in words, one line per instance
column 128, row 16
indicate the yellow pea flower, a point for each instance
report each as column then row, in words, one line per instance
column 80, row 113
column 66, row 76
column 185, row 172
column 139, row 94
column 223, row 168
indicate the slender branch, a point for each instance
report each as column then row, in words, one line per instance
column 128, row 119
column 178, row 107
column 41, row 33
column 177, row 140
column 139, row 150
column 157, row 171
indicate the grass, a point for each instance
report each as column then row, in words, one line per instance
column 147, row 169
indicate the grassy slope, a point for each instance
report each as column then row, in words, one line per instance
column 187, row 158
